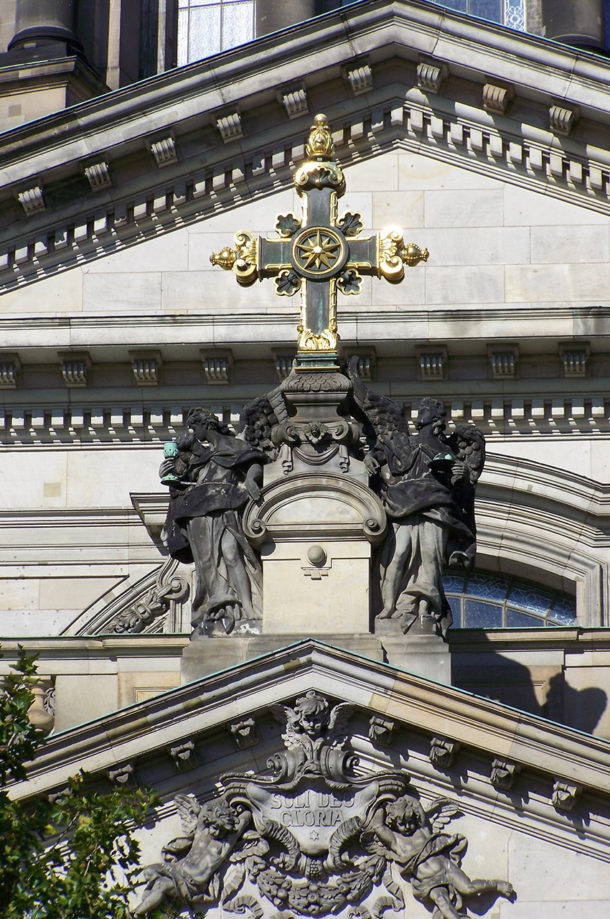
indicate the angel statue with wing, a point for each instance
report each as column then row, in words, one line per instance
column 189, row 872
column 315, row 736
column 414, row 840
column 212, row 474
column 426, row 483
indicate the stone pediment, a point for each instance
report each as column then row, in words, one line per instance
column 389, row 700
column 186, row 145
column 515, row 788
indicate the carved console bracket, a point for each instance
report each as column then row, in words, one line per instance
column 562, row 120
column 431, row 363
column 283, row 359
column 146, row 367
column 430, row 76
column 575, row 359
column 31, row 200
column 360, row 78
column 123, row 776
column 381, row 730
column 182, row 755
column 294, row 101
column 244, row 733
column 216, row 367
column 366, row 362
column 75, row 368
column 442, row 752
column 98, row 175
column 10, row 365
column 164, row 151
column 496, row 97
column 503, row 360
column 564, row 795
column 230, row 127
column 503, row 773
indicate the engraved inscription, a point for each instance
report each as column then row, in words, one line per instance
column 311, row 808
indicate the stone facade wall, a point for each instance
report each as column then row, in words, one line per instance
column 506, row 264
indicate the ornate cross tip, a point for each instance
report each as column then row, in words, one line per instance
column 242, row 260
column 412, row 255
column 320, row 142
column 226, row 258
column 394, row 255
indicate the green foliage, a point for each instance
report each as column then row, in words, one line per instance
column 69, row 857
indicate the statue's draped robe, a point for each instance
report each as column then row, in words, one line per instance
column 440, row 527
column 217, row 496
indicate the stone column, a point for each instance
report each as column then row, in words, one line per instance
column 574, row 22
column 45, row 21
column 272, row 15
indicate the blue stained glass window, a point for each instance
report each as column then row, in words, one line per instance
column 453, row 583
column 487, row 9
column 456, row 611
column 488, row 586
column 562, row 611
column 514, row 14
column 491, row 601
column 482, row 615
column 517, row 620
column 534, row 600
column 460, row 5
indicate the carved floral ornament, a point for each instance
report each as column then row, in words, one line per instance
column 313, row 836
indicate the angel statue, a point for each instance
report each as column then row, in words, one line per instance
column 426, row 483
column 189, row 873
column 428, row 858
column 212, row 474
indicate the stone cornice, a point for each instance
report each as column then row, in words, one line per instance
column 486, row 729
column 546, row 485
column 210, row 172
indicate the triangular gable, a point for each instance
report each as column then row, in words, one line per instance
column 489, row 728
column 519, row 791
column 184, row 145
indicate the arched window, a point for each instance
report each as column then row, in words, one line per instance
column 509, row 12
column 490, row 601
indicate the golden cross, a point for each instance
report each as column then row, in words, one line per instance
column 320, row 253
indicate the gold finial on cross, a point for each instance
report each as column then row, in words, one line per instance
column 320, row 253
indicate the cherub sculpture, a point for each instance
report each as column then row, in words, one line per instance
column 428, row 858
column 313, row 729
column 189, row 872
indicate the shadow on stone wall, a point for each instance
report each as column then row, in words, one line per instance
column 538, row 689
